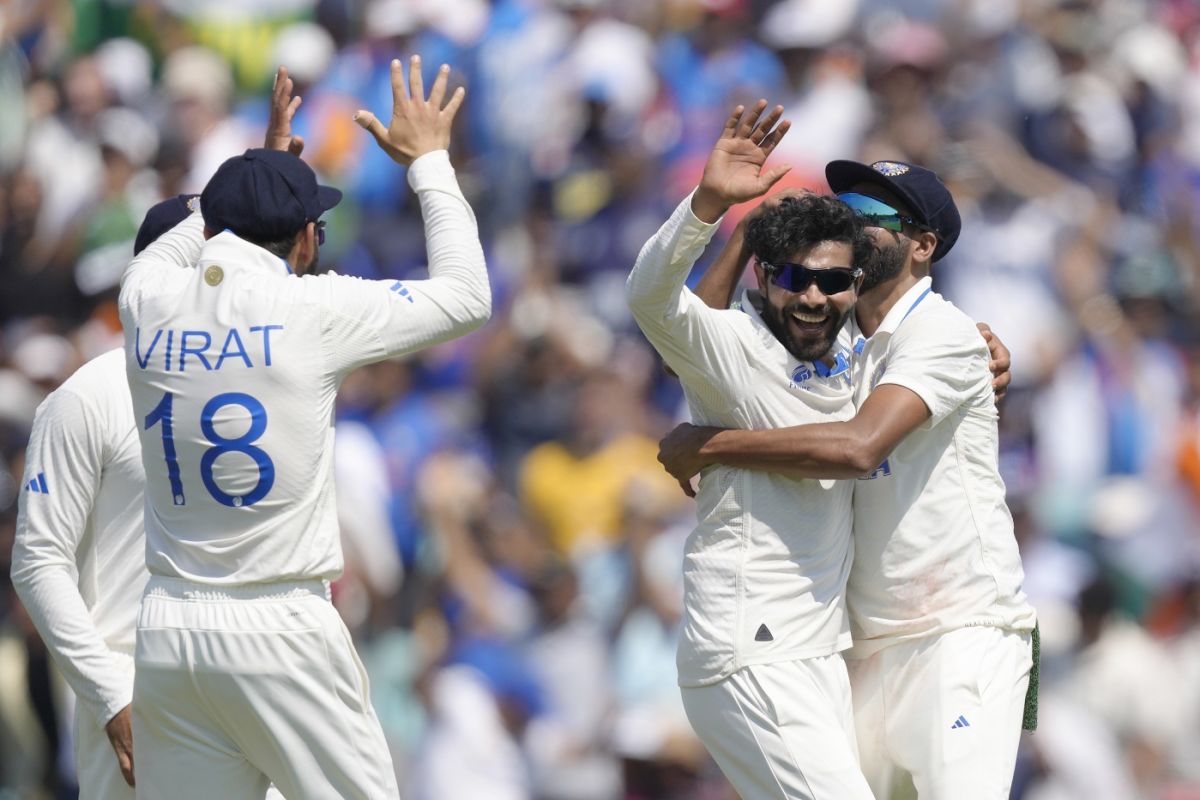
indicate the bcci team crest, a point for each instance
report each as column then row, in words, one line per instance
column 890, row 168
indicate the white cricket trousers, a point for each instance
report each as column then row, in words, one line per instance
column 946, row 709
column 237, row 687
column 96, row 764
column 782, row 731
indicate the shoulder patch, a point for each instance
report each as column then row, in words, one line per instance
column 38, row 485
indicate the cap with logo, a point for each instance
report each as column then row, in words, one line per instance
column 264, row 195
column 161, row 218
column 921, row 190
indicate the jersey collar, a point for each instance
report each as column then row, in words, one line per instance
column 230, row 250
column 751, row 302
column 906, row 305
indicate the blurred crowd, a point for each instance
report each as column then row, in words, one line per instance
column 512, row 547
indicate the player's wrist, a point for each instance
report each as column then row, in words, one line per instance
column 708, row 206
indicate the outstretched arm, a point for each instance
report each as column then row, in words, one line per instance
column 389, row 318
column 848, row 449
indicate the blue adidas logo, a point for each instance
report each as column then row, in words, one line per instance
column 961, row 722
column 402, row 290
column 38, row 484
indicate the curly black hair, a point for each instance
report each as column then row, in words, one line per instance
column 798, row 223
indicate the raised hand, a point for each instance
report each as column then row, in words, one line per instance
column 418, row 125
column 734, row 170
column 283, row 108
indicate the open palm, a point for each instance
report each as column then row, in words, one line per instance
column 419, row 125
column 734, row 170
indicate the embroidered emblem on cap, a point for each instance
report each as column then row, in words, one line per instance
column 890, row 168
column 213, row 275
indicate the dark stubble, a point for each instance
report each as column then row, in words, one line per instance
column 885, row 263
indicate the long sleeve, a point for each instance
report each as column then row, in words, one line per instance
column 372, row 320
column 64, row 464
column 692, row 338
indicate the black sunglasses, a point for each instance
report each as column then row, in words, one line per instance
column 797, row 277
column 320, row 232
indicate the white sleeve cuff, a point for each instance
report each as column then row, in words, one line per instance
column 432, row 171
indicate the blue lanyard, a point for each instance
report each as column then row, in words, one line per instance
column 861, row 343
column 916, row 303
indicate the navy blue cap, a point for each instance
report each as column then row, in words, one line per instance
column 921, row 190
column 264, row 196
column 161, row 218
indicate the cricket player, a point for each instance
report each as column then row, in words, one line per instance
column 942, row 631
column 760, row 666
column 79, row 559
column 245, row 672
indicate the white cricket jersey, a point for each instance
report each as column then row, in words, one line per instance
column 79, row 561
column 933, row 537
column 234, row 365
column 765, row 569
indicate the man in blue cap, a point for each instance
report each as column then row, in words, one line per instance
column 245, row 672
column 79, row 556
column 942, row 630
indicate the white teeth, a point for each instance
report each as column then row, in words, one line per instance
column 810, row 318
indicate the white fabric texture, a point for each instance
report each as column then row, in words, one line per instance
column 782, row 731
column 236, row 688
column 946, row 710
column 933, row 536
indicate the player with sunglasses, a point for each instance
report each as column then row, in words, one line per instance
column 942, row 658
column 760, row 666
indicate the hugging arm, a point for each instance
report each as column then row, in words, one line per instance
column 848, row 449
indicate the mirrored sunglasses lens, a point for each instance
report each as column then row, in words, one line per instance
column 874, row 212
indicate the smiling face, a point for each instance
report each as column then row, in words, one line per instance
column 807, row 322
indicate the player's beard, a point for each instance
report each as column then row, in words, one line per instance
column 884, row 263
column 804, row 344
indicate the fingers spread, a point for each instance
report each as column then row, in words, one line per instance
column 456, row 100
column 772, row 139
column 367, row 121
column 732, row 123
column 398, row 96
column 772, row 177
column 750, row 120
column 416, row 84
column 764, row 125
column 438, row 92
